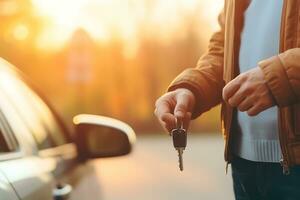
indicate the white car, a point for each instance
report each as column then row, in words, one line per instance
column 40, row 159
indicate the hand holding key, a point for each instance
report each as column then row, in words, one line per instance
column 179, row 136
column 173, row 111
column 176, row 104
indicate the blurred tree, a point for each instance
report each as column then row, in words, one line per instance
column 20, row 27
column 120, row 77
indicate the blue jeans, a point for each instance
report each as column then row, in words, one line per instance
column 264, row 181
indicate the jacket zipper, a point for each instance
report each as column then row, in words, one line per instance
column 285, row 159
column 285, row 167
column 228, row 124
column 229, row 111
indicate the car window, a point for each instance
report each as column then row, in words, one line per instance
column 8, row 142
column 15, row 130
column 3, row 144
column 48, row 119
column 32, row 110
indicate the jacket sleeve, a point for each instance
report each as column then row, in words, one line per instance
column 282, row 75
column 206, row 79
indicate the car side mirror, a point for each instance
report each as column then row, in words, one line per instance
column 99, row 137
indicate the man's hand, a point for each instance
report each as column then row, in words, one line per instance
column 178, row 103
column 249, row 92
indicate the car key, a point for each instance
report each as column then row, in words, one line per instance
column 179, row 136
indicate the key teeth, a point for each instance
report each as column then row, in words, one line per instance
column 180, row 158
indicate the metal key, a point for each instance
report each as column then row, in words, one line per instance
column 179, row 140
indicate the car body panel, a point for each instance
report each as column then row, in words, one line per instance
column 85, row 182
column 6, row 191
column 31, row 177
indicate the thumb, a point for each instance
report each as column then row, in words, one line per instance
column 182, row 106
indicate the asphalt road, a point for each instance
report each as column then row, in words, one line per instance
column 151, row 171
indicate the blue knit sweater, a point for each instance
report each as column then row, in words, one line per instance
column 258, row 140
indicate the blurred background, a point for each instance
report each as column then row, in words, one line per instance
column 108, row 57
column 115, row 58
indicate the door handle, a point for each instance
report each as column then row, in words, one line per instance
column 62, row 192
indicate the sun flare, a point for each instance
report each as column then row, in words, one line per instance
column 107, row 19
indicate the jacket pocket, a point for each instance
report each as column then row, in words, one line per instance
column 296, row 119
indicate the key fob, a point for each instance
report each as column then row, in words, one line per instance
column 179, row 138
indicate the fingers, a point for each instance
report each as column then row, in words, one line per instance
column 236, row 99
column 246, row 104
column 182, row 106
column 254, row 110
column 162, row 107
column 230, row 89
column 166, row 127
column 187, row 120
column 258, row 108
column 168, row 118
column 176, row 104
column 253, row 105
column 249, row 92
column 182, row 110
column 168, row 122
column 163, row 112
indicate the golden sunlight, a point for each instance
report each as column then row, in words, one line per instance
column 20, row 32
column 109, row 19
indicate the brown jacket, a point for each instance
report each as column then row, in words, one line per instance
column 282, row 73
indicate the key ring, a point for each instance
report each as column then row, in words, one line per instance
column 178, row 125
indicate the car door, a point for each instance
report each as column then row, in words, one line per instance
column 29, row 175
column 69, row 172
column 49, row 148
column 6, row 191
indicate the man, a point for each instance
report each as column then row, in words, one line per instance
column 252, row 67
